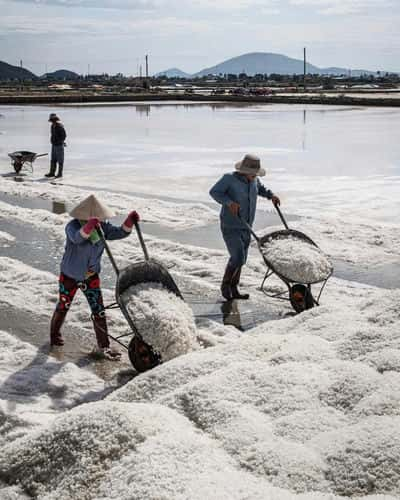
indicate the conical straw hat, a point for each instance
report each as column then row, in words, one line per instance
column 91, row 207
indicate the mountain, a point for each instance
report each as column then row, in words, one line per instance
column 173, row 73
column 267, row 63
column 9, row 72
column 61, row 74
column 259, row 62
column 346, row 71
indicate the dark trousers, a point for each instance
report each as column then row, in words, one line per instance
column 57, row 157
column 237, row 242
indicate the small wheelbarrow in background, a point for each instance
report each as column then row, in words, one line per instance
column 298, row 293
column 23, row 160
column 142, row 355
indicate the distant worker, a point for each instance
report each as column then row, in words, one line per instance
column 57, row 139
column 237, row 193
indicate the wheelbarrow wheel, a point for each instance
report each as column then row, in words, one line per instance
column 142, row 355
column 301, row 298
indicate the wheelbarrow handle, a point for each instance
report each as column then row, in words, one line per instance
column 141, row 240
column 249, row 228
column 281, row 215
column 41, row 154
column 110, row 255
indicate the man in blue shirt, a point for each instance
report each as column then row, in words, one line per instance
column 237, row 192
column 80, row 267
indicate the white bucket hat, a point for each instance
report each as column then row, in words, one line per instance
column 91, row 207
column 250, row 165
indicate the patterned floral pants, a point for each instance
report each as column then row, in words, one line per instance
column 91, row 288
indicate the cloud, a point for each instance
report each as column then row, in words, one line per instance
column 95, row 26
column 139, row 5
column 343, row 7
column 161, row 5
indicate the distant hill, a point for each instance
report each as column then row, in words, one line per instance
column 9, row 72
column 265, row 63
column 259, row 62
column 346, row 71
column 173, row 73
column 61, row 74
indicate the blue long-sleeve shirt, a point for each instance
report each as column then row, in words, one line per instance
column 81, row 255
column 236, row 188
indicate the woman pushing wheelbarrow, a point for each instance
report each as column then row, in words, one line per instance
column 80, row 267
column 237, row 192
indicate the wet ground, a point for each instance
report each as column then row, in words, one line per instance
column 34, row 329
column 384, row 276
column 35, row 248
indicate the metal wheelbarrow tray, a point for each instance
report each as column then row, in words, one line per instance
column 141, row 354
column 298, row 292
column 20, row 158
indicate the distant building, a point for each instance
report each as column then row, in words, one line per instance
column 59, row 86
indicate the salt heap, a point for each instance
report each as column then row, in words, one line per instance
column 164, row 320
column 297, row 260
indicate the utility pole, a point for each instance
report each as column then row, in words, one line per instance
column 20, row 63
column 305, row 70
column 140, row 71
column 146, row 82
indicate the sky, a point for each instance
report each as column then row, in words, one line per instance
column 114, row 36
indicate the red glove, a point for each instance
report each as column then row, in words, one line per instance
column 90, row 225
column 132, row 218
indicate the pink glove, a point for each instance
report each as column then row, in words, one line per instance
column 90, row 225
column 132, row 218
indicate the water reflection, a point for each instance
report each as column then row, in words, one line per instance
column 231, row 314
column 143, row 109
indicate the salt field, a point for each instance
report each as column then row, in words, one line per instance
column 254, row 401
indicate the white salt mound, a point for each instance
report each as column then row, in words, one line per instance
column 297, row 260
column 164, row 320
column 6, row 238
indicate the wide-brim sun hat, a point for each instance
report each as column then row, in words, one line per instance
column 250, row 165
column 53, row 116
column 91, row 207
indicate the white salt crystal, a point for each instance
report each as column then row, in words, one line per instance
column 164, row 320
column 297, row 260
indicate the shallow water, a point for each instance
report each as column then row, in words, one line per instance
column 133, row 145
column 34, row 247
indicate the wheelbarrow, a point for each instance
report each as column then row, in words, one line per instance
column 21, row 159
column 142, row 355
column 298, row 293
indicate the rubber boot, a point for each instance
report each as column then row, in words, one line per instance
column 60, row 171
column 52, row 172
column 234, row 286
column 55, row 326
column 100, row 328
column 226, row 284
